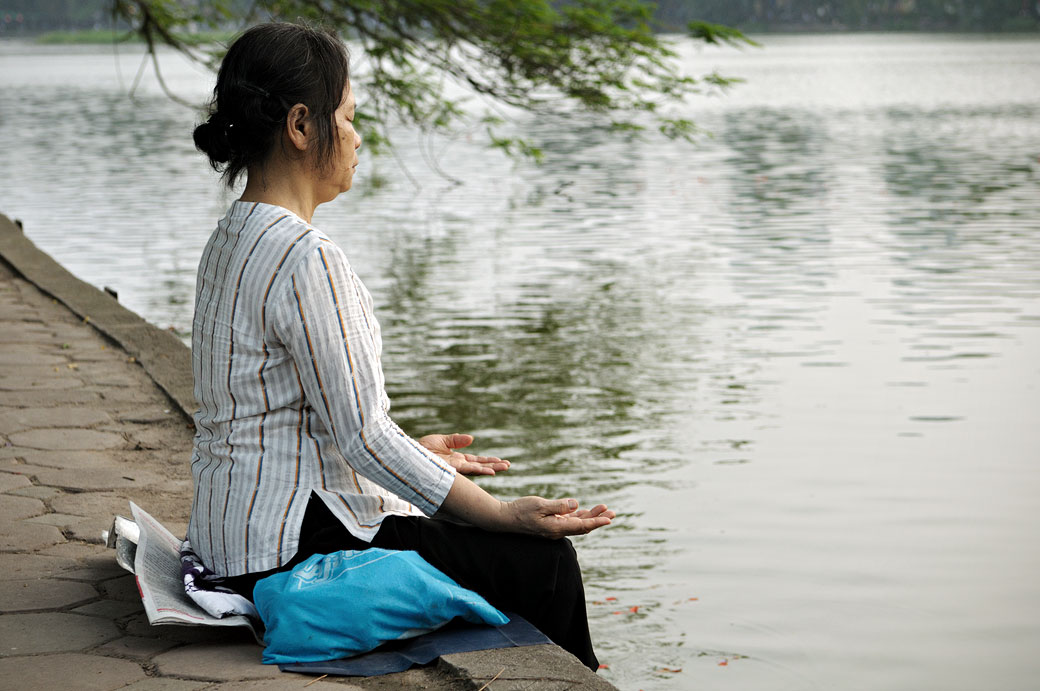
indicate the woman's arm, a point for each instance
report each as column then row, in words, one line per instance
column 321, row 320
column 552, row 518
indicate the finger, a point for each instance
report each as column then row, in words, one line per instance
column 600, row 510
column 471, row 469
column 433, row 441
column 579, row 526
column 496, row 463
column 459, row 441
column 560, row 507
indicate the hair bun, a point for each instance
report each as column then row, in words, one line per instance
column 212, row 138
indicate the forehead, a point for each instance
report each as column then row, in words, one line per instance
column 348, row 97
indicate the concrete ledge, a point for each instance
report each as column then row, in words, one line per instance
column 164, row 357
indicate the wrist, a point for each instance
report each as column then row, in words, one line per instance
column 507, row 516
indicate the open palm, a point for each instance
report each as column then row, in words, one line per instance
column 446, row 445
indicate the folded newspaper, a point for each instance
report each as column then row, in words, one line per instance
column 151, row 552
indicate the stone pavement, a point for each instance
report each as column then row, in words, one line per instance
column 86, row 426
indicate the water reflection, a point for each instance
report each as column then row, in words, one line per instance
column 800, row 359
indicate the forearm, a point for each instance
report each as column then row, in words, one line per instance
column 468, row 501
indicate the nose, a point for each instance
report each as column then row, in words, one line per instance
column 357, row 141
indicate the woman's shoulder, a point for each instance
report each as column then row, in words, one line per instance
column 288, row 241
column 272, row 227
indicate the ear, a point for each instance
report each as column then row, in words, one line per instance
column 298, row 126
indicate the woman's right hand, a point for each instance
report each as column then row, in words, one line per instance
column 552, row 518
column 556, row 518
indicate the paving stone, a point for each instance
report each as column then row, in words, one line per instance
column 154, row 437
column 288, row 680
column 92, row 504
column 19, row 566
column 71, row 460
column 70, row 671
column 19, row 332
column 9, row 481
column 169, row 503
column 218, row 662
column 60, row 416
column 92, row 352
column 57, row 371
column 37, row 398
column 146, row 415
column 42, row 493
column 123, row 588
column 18, row 312
column 67, row 438
column 96, row 569
column 9, row 422
column 75, row 331
column 120, row 363
column 216, row 635
column 28, row 537
column 52, row 632
column 537, row 667
column 113, row 380
column 29, row 354
column 122, row 477
column 123, row 396
column 166, row 684
column 17, row 466
column 16, row 508
column 43, row 593
column 20, row 383
column 56, row 519
column 88, row 529
column 430, row 678
column 76, row 550
column 110, row 609
column 136, row 647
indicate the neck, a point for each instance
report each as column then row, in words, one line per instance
column 282, row 185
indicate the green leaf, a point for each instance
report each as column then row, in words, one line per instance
column 718, row 34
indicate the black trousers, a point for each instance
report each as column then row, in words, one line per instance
column 535, row 577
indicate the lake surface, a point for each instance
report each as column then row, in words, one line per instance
column 801, row 359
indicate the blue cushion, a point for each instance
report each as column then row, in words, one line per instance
column 346, row 603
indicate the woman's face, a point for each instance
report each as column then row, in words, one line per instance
column 345, row 159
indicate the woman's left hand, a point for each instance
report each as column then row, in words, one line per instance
column 445, row 445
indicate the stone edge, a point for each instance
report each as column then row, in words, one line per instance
column 164, row 357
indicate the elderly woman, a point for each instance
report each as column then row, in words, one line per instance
column 295, row 453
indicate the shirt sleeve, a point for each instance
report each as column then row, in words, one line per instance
column 321, row 321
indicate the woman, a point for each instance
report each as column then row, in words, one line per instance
column 295, row 453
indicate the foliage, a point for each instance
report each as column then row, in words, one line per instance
column 544, row 56
column 109, row 36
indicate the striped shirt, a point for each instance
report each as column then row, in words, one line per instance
column 285, row 353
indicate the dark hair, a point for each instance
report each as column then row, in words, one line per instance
column 267, row 70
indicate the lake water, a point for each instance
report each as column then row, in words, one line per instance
column 801, row 359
